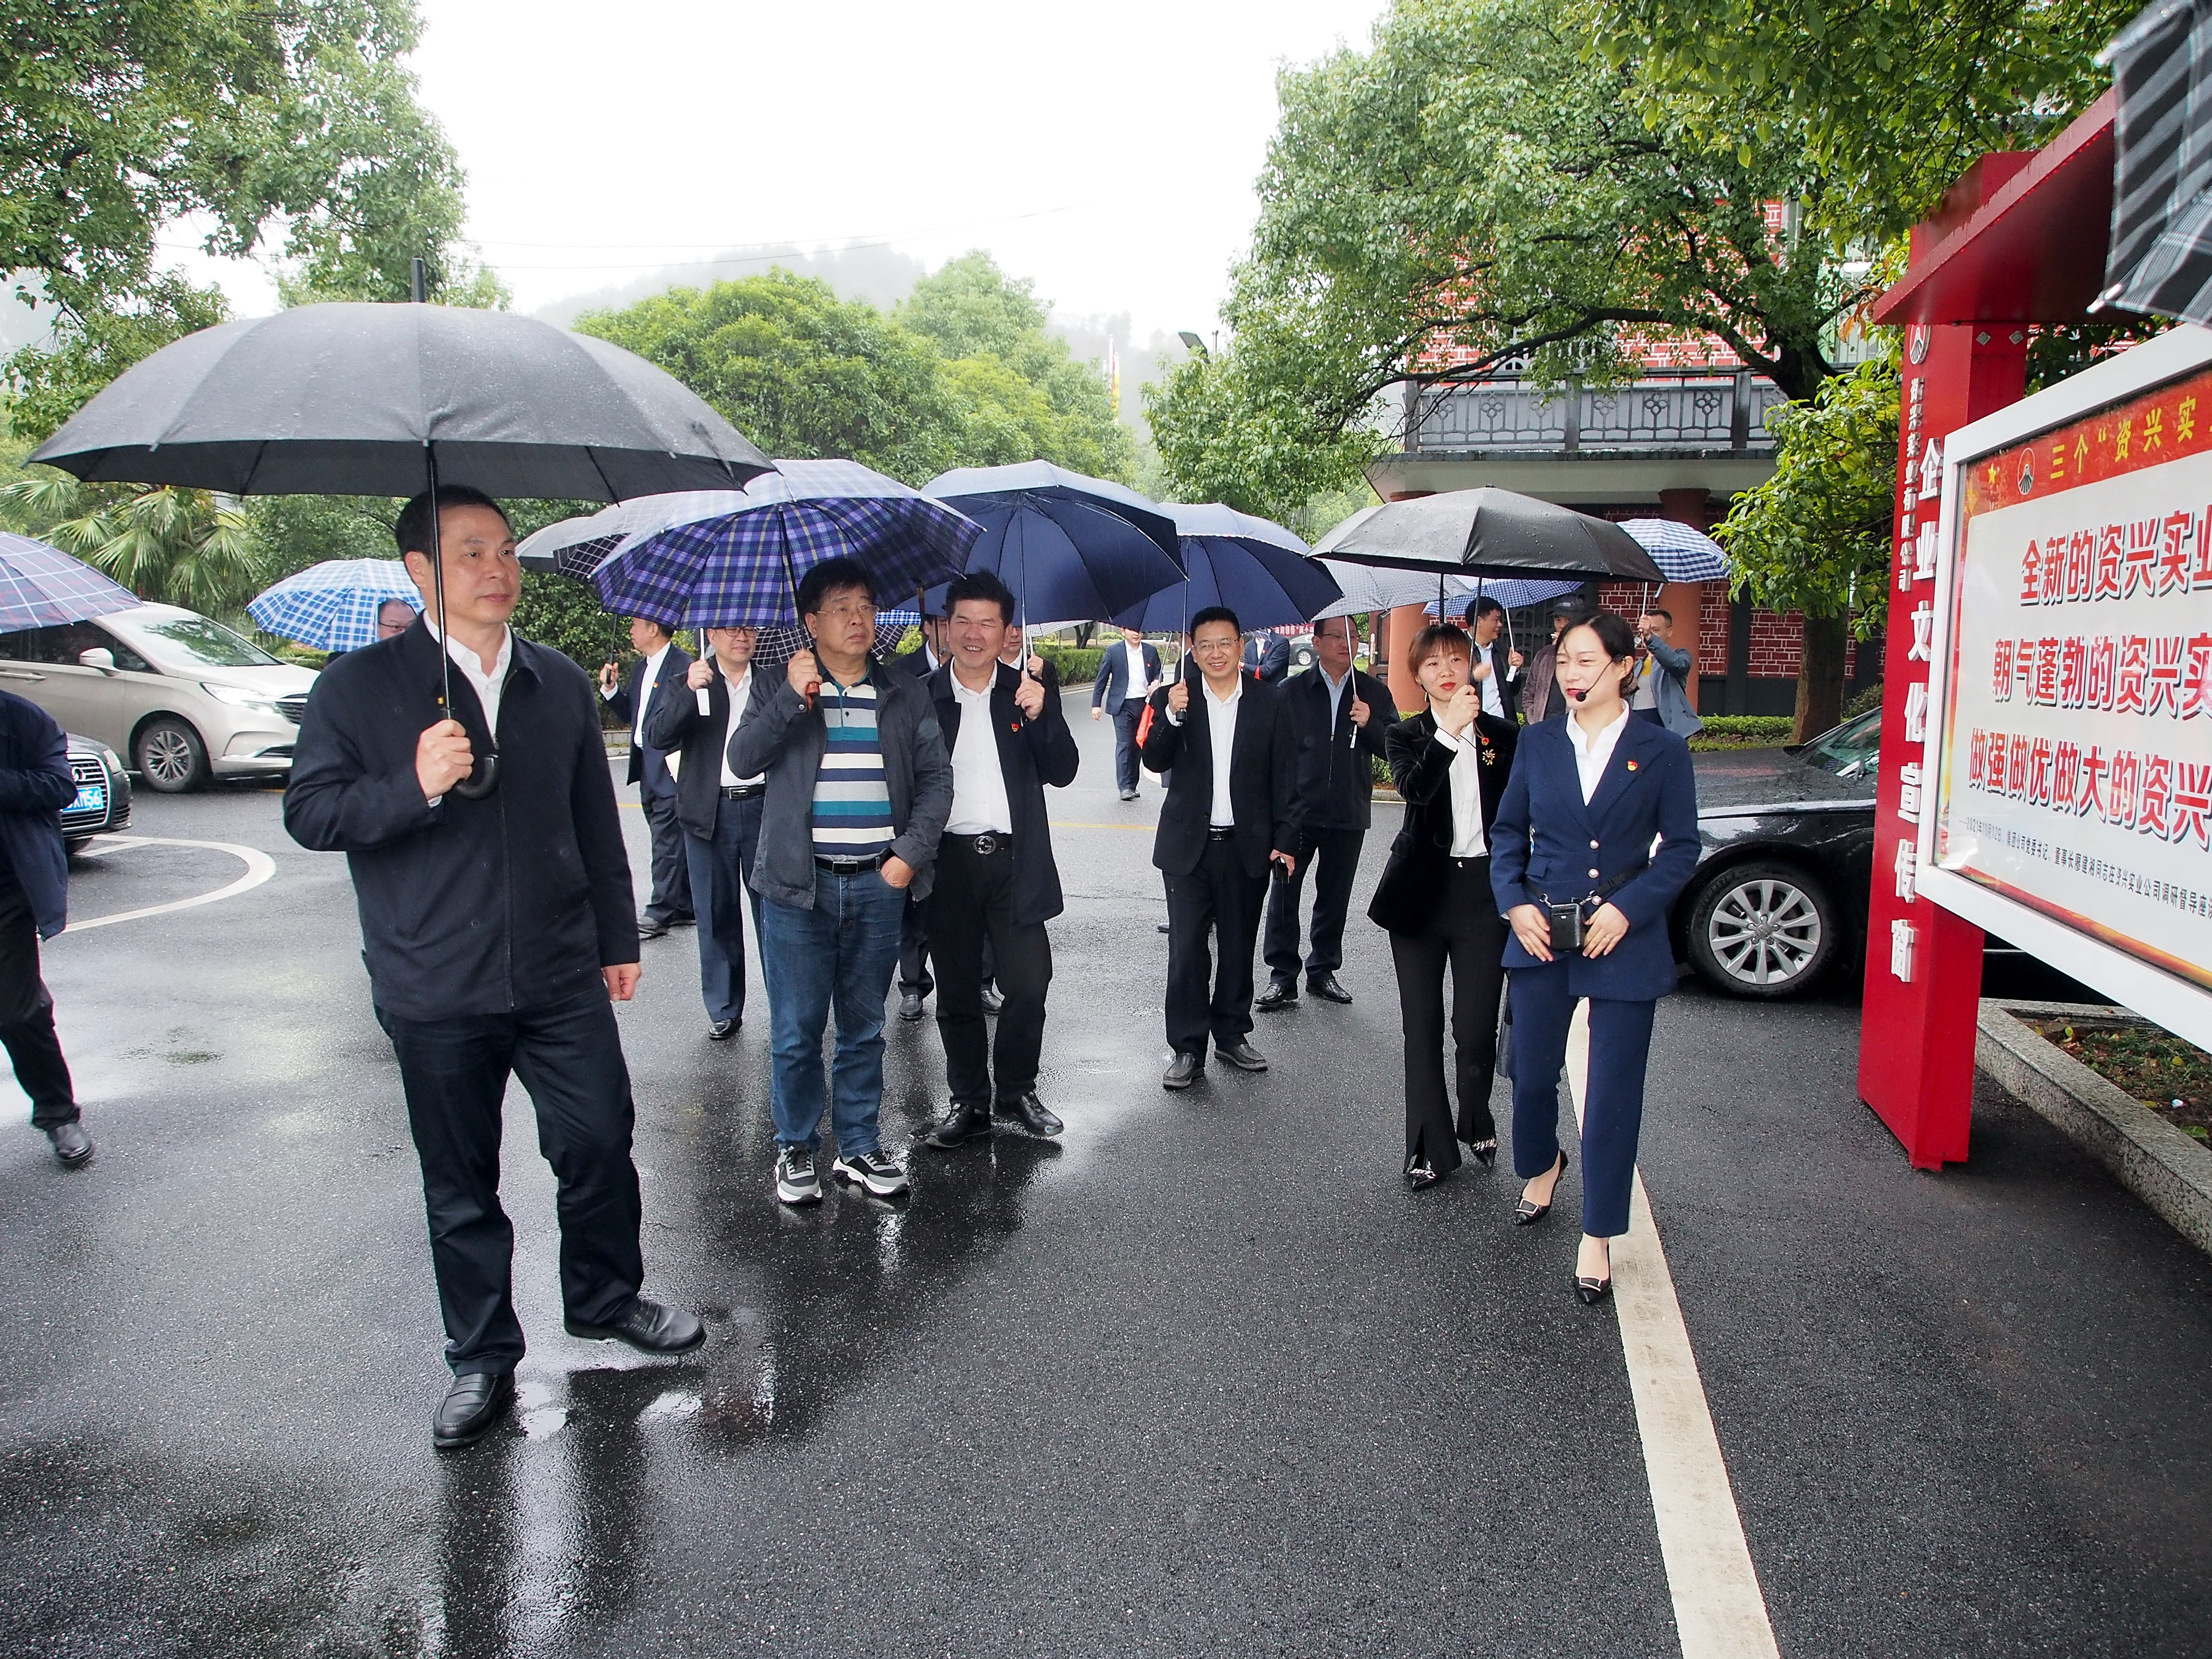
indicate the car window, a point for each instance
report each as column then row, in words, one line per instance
column 196, row 642
column 1852, row 749
column 124, row 656
column 53, row 646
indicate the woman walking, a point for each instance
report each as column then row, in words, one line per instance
column 1451, row 765
column 1596, row 836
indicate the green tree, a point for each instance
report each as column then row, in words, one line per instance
column 173, row 546
column 1222, row 438
column 1815, row 536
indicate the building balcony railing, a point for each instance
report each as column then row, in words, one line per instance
column 1666, row 409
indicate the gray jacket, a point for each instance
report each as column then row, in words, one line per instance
column 781, row 737
column 1671, row 688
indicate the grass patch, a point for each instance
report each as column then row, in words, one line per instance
column 2170, row 1076
column 1744, row 731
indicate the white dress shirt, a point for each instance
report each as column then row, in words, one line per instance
column 741, row 694
column 1221, row 726
column 1493, row 699
column 1466, row 784
column 979, row 783
column 1140, row 684
column 646, row 681
column 1335, row 694
column 488, row 686
column 1591, row 753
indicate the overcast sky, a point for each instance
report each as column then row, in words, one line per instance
column 1110, row 153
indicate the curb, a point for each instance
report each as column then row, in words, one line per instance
column 2153, row 1160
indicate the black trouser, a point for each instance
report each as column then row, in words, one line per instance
column 913, row 976
column 1219, row 897
column 718, row 868
column 27, row 1017
column 1334, row 857
column 972, row 912
column 455, row 1071
column 672, row 869
column 1467, row 932
column 1126, row 757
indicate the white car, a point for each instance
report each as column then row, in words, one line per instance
column 183, row 698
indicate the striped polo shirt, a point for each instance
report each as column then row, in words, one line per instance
column 852, row 802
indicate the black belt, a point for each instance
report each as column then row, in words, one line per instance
column 1221, row 832
column 1469, row 863
column 990, row 841
column 1595, row 895
column 742, row 791
column 852, row 867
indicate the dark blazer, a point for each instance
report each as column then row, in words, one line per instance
column 1336, row 772
column 1110, row 690
column 647, row 763
column 1548, row 840
column 1032, row 753
column 469, row 906
column 1271, row 661
column 914, row 663
column 1263, row 769
column 674, row 724
column 36, row 785
column 1406, row 898
column 1509, row 690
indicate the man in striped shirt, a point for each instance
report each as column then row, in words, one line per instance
column 859, row 787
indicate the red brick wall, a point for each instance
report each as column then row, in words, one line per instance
column 1776, row 639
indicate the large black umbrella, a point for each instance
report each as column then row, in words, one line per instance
column 354, row 399
column 1489, row 533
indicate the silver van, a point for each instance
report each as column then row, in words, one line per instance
column 183, row 698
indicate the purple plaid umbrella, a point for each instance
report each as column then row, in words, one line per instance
column 41, row 586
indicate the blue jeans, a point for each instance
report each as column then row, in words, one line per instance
column 844, row 950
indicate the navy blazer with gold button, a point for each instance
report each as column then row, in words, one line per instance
column 1548, row 840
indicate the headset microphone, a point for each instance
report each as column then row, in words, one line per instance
column 1581, row 695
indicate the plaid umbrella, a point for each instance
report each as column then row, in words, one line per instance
column 1515, row 594
column 2160, row 259
column 739, row 563
column 1682, row 553
column 333, row 606
column 41, row 586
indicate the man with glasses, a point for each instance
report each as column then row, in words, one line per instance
column 858, row 789
column 1231, row 813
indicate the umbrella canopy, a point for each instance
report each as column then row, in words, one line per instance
column 1515, row 593
column 1258, row 569
column 345, row 399
column 333, row 606
column 1071, row 548
column 1492, row 531
column 1377, row 587
column 1683, row 552
column 2159, row 258
column 41, row 586
column 730, row 560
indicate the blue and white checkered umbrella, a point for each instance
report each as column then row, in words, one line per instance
column 1515, row 593
column 1684, row 553
column 735, row 558
column 41, row 586
column 333, row 606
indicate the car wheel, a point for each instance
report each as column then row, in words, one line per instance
column 1763, row 930
column 171, row 756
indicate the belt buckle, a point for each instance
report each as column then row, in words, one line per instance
column 987, row 843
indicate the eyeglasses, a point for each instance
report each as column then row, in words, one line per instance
column 1211, row 648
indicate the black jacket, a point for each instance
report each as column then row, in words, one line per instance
column 1406, row 898
column 1269, row 662
column 1032, row 753
column 36, row 785
column 469, row 906
column 1336, row 771
column 674, row 725
column 914, row 663
column 1263, row 767
column 1509, row 689
column 648, row 762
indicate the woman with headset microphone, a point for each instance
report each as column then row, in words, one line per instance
column 1596, row 836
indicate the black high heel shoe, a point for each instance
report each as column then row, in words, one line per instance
column 1594, row 1290
column 1486, row 1151
column 1526, row 1214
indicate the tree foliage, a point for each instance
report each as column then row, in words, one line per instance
column 175, row 546
column 1223, row 438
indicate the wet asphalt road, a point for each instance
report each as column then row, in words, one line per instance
column 1200, row 1379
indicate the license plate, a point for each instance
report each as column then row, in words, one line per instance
column 90, row 798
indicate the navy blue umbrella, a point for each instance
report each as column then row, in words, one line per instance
column 1071, row 548
column 1258, row 569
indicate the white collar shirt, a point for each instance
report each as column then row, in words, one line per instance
column 1221, row 727
column 1593, row 752
column 1336, row 693
column 1493, row 700
column 488, row 686
column 979, row 782
column 647, row 678
column 741, row 694
column 1140, row 682
column 1465, row 782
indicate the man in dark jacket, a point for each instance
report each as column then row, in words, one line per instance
column 720, row 814
column 1267, row 656
column 996, row 884
column 858, row 789
column 1338, row 717
column 497, row 926
column 1231, row 813
column 36, row 785
column 659, row 677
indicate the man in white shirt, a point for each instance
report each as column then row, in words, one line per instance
column 660, row 670
column 719, row 811
column 1497, row 667
column 1127, row 673
column 997, row 883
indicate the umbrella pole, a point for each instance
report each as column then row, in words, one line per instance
column 791, row 576
column 484, row 777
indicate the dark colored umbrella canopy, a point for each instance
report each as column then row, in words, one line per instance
column 1072, row 547
column 1257, row 568
column 343, row 399
column 2159, row 256
column 1492, row 532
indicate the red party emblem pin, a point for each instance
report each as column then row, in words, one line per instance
column 1631, row 766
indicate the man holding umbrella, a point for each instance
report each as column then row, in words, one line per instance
column 498, row 933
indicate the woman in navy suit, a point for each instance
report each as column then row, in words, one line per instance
column 1600, row 815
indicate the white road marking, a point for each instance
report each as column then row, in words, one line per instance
column 1719, row 1610
column 259, row 866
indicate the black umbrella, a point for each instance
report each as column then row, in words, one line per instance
column 2160, row 256
column 1489, row 533
column 354, row 399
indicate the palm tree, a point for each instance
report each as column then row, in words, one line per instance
column 186, row 547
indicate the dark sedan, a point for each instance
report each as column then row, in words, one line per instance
column 103, row 791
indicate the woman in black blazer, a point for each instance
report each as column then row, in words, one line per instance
column 1451, row 765
column 1600, row 820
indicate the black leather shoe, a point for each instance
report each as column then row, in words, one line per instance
column 910, row 1008
column 1032, row 1115
column 1486, row 1151
column 1421, row 1173
column 1592, row 1291
column 721, row 1031
column 1162, row 928
column 470, row 1407
column 1328, row 990
column 649, row 1327
column 647, row 927
column 1275, row 996
column 1242, row 1055
column 1183, row 1072
column 966, row 1122
column 1526, row 1214
column 993, row 1001
column 72, row 1145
